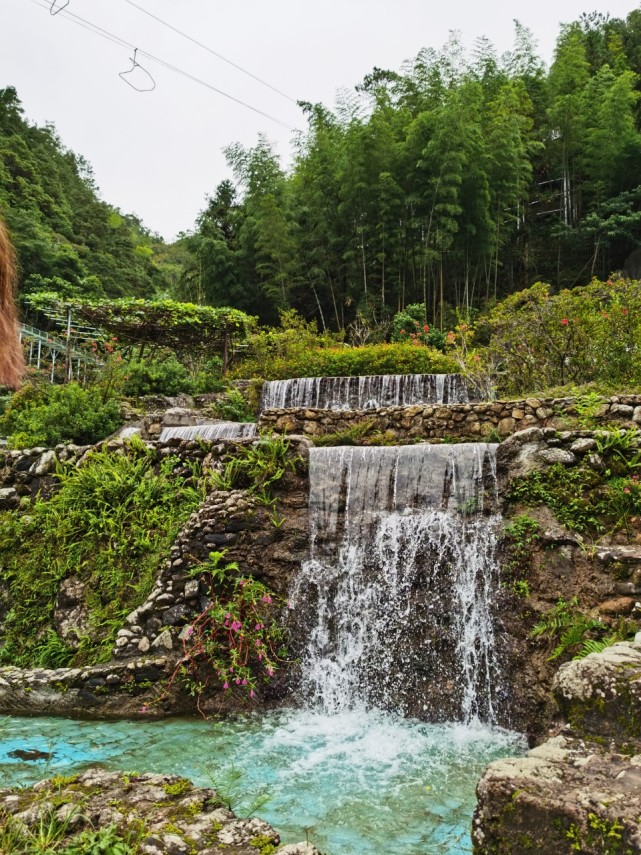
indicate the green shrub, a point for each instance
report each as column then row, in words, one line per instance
column 233, row 407
column 398, row 358
column 111, row 524
column 589, row 334
column 169, row 377
column 53, row 414
column 150, row 377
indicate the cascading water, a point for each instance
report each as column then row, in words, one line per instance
column 396, row 604
column 397, row 593
column 362, row 393
column 219, row 430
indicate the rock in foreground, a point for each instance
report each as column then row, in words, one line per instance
column 134, row 814
column 579, row 791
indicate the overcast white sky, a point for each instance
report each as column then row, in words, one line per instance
column 159, row 154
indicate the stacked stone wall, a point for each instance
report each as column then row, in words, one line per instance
column 473, row 421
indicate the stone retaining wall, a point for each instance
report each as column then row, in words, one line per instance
column 464, row 421
column 117, row 689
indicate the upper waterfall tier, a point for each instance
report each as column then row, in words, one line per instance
column 219, row 430
column 397, row 596
column 362, row 393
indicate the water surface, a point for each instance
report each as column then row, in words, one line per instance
column 357, row 783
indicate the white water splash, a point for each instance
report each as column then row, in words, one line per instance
column 398, row 589
column 363, row 393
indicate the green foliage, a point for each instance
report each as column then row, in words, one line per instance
column 237, row 640
column 161, row 323
column 110, row 525
column 149, row 377
column 257, row 467
column 234, row 407
column 588, row 334
column 521, row 536
column 364, row 433
column 350, row 362
column 49, row 415
column 567, row 492
column 104, row 841
column 585, row 500
column 178, row 788
column 573, row 632
column 411, row 325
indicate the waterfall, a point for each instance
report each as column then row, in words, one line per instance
column 362, row 393
column 219, row 430
column 396, row 597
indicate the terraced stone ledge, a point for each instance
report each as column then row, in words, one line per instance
column 472, row 421
column 115, row 690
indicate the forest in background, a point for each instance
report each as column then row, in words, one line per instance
column 452, row 183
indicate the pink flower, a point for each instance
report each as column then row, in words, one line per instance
column 225, row 686
column 244, row 682
column 267, row 598
column 144, row 709
column 238, row 681
column 251, row 694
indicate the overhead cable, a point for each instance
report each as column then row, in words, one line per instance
column 83, row 22
column 211, row 50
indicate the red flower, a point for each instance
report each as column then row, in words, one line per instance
column 426, row 328
column 564, row 322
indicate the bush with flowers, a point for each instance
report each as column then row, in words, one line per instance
column 237, row 642
column 588, row 334
column 411, row 326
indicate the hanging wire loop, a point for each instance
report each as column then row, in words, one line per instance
column 134, row 65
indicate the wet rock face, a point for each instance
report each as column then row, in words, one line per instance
column 600, row 695
column 566, row 796
column 162, row 814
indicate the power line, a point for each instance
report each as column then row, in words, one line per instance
column 211, row 51
column 99, row 31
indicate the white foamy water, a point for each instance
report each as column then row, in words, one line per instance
column 362, row 393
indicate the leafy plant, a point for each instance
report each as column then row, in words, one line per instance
column 148, row 377
column 257, row 468
column 110, row 524
column 396, row 358
column 521, row 536
column 233, row 407
column 587, row 407
column 52, row 414
column 237, row 640
column 573, row 631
